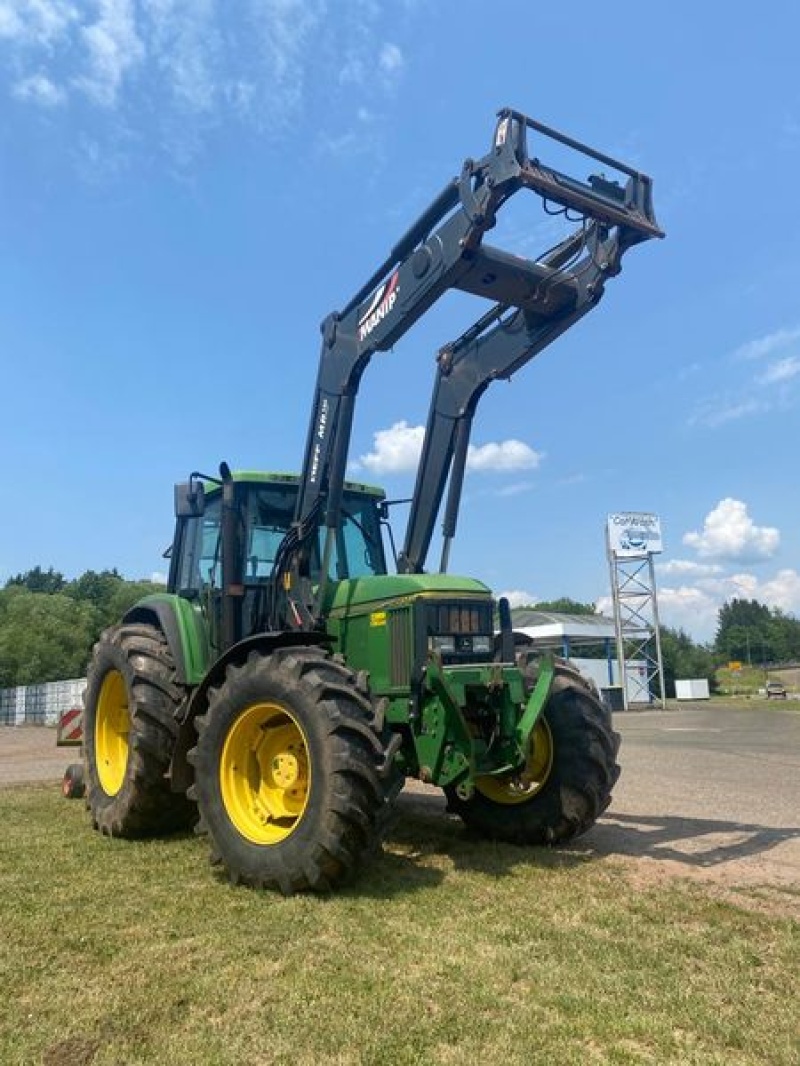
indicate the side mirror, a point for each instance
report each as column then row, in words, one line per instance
column 190, row 499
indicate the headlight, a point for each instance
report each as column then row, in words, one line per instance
column 482, row 645
column 444, row 645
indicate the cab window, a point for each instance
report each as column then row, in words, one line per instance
column 200, row 562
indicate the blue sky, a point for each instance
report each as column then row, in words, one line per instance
column 188, row 186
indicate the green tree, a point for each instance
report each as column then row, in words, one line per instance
column 125, row 595
column 43, row 637
column 784, row 637
column 564, row 605
column 683, row 658
column 750, row 632
column 48, row 626
column 38, row 580
column 96, row 588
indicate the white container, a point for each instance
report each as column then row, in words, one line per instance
column 692, row 689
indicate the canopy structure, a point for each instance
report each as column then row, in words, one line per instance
column 565, row 633
column 576, row 636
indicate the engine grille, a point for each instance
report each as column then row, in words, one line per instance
column 400, row 646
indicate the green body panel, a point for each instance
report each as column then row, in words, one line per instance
column 190, row 628
column 365, row 592
column 538, row 698
column 373, row 622
column 378, row 625
column 448, row 751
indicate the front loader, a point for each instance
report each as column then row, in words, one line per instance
column 284, row 686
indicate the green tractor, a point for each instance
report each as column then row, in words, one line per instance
column 286, row 684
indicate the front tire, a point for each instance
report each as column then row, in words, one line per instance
column 293, row 772
column 129, row 734
column 569, row 777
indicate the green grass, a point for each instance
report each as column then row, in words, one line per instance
column 445, row 950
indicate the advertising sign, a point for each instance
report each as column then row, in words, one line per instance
column 634, row 533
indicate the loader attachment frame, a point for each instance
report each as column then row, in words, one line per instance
column 535, row 301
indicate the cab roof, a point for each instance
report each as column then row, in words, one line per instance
column 275, row 478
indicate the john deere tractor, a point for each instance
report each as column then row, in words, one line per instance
column 285, row 685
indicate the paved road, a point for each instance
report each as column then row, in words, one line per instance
column 706, row 791
column 709, row 792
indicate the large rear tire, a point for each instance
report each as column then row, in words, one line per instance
column 129, row 734
column 569, row 777
column 294, row 772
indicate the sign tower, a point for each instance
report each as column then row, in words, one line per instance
column 632, row 539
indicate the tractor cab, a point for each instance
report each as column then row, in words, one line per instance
column 260, row 513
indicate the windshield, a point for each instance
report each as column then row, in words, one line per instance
column 266, row 512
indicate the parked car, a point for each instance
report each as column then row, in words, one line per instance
column 776, row 690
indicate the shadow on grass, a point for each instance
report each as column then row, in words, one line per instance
column 697, row 842
column 423, row 834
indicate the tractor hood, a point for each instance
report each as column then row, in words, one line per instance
column 372, row 592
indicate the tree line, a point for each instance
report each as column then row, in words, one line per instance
column 49, row 624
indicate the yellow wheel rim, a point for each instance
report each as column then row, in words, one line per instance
column 265, row 773
column 523, row 784
column 112, row 729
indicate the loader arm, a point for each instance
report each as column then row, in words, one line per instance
column 494, row 348
column 444, row 249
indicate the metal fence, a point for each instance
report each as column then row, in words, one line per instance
column 40, row 704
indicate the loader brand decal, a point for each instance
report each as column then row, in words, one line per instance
column 377, row 618
column 322, row 425
column 379, row 306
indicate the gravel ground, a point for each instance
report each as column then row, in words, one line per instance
column 708, row 791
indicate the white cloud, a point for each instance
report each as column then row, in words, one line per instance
column 190, row 65
column 782, row 591
column 158, row 577
column 519, row 597
column 39, row 89
column 184, row 42
column 391, row 59
column 36, row 22
column 695, row 608
column 718, row 411
column 113, row 49
column 689, row 608
column 764, row 346
column 516, row 488
column 397, row 450
column 504, row 455
column 780, row 371
column 686, row 567
column 741, row 402
column 287, row 33
column 730, row 533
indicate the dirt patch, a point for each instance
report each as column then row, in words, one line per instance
column 764, row 879
column 29, row 753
